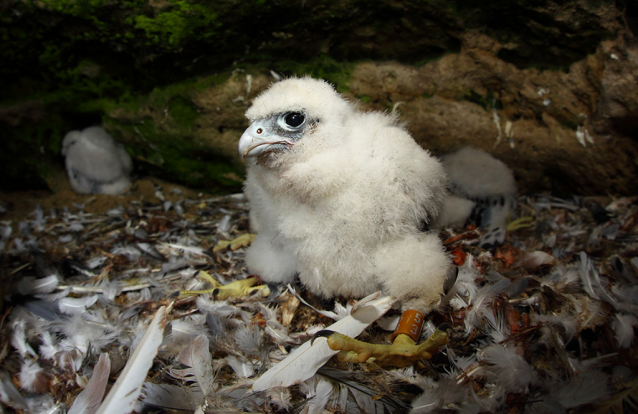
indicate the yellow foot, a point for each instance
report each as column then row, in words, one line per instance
column 403, row 351
column 236, row 289
column 242, row 241
column 520, row 223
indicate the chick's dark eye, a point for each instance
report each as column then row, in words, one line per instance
column 294, row 119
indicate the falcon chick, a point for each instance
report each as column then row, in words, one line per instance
column 341, row 198
column 95, row 162
column 483, row 193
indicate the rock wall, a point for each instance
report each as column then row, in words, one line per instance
column 571, row 131
column 568, row 132
column 548, row 86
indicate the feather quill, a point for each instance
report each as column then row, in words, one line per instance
column 304, row 362
column 123, row 395
column 88, row 401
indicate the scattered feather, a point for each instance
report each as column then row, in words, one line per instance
column 507, row 368
column 565, row 315
column 586, row 388
column 248, row 339
column 123, row 395
column 76, row 306
column 317, row 392
column 33, row 378
column 303, row 362
column 88, row 401
column 279, row 398
column 9, row 395
column 623, row 326
column 19, row 339
column 476, row 316
column 171, row 397
column 201, row 361
column 538, row 258
column 33, row 286
column 243, row 369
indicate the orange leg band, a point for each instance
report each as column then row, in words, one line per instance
column 410, row 324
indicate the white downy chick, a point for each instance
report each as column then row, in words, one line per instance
column 95, row 162
column 341, row 198
column 483, row 193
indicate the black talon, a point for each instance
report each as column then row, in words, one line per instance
column 450, row 280
column 215, row 293
column 445, row 327
column 324, row 333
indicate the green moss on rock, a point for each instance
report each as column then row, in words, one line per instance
column 182, row 112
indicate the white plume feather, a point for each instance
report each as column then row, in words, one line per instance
column 508, row 369
column 592, row 281
column 19, row 339
column 9, row 395
column 76, row 306
column 88, row 401
column 201, row 361
column 32, row 377
column 248, row 338
column 243, row 369
column 623, row 326
column 317, row 392
column 474, row 317
column 123, row 395
column 585, row 388
column 303, row 362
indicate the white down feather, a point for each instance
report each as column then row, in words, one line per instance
column 342, row 207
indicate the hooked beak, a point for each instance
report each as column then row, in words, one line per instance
column 258, row 140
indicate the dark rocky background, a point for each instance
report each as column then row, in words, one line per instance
column 550, row 87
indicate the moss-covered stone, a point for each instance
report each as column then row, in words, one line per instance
column 142, row 43
column 145, row 67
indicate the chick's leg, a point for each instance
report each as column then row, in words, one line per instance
column 403, row 351
column 414, row 270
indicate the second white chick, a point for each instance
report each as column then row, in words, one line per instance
column 483, row 193
column 95, row 162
